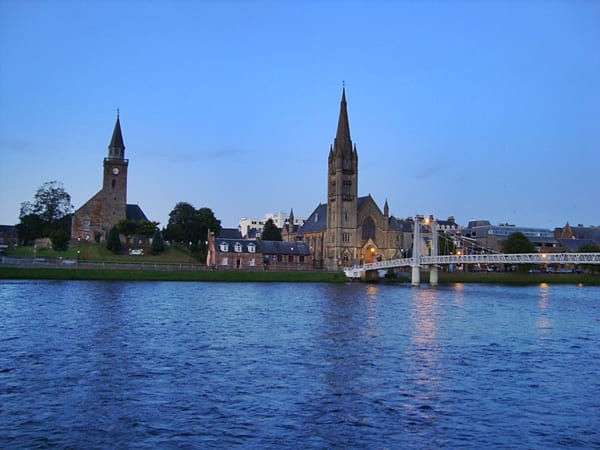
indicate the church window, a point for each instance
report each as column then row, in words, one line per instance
column 347, row 190
column 85, row 224
column 114, row 183
column 368, row 229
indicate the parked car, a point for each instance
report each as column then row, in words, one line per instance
column 136, row 251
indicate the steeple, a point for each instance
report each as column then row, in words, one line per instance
column 116, row 149
column 342, row 142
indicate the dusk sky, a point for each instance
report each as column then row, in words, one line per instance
column 487, row 110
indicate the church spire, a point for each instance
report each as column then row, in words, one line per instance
column 116, row 149
column 342, row 138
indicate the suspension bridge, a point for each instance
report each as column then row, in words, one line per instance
column 369, row 271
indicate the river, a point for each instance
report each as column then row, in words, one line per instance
column 289, row 365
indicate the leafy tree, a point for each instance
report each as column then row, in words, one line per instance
column 158, row 243
column 48, row 212
column 127, row 227
column 188, row 224
column 30, row 228
column 589, row 248
column 51, row 202
column 147, row 228
column 271, row 232
column 60, row 239
column 113, row 243
column 517, row 242
column 181, row 225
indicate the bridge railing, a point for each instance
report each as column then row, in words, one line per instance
column 495, row 258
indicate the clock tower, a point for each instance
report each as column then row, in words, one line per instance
column 99, row 214
column 114, row 186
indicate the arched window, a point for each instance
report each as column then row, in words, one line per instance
column 368, row 229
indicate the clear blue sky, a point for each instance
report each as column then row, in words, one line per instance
column 486, row 110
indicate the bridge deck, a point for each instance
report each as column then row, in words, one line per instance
column 497, row 258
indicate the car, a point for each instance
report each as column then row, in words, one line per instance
column 534, row 271
column 136, row 251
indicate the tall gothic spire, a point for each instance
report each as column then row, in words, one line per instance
column 342, row 138
column 116, row 149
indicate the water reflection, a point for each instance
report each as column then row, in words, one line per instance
column 543, row 322
column 425, row 349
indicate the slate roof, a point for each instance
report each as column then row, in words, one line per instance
column 590, row 233
column 134, row 212
column 573, row 244
column 317, row 221
column 284, row 248
column 230, row 233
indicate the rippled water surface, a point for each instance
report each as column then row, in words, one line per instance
column 260, row 365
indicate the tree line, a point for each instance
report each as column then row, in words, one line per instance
column 49, row 216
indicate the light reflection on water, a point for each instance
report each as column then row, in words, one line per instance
column 201, row 365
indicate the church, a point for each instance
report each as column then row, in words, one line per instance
column 349, row 229
column 95, row 218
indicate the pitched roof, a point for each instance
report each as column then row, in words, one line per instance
column 134, row 212
column 230, row 233
column 573, row 244
column 317, row 221
column 342, row 137
column 284, row 248
column 117, row 147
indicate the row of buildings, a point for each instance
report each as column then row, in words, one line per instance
column 344, row 230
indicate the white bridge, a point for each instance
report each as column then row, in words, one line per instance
column 497, row 258
column 485, row 258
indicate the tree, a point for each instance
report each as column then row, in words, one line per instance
column 60, row 240
column 127, row 227
column 51, row 202
column 158, row 243
column 517, row 242
column 113, row 243
column 146, row 228
column 47, row 213
column 589, row 248
column 188, row 224
column 181, row 225
column 271, row 232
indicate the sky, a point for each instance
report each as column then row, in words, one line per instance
column 477, row 110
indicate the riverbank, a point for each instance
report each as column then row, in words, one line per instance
column 131, row 274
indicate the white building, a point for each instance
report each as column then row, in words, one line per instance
column 250, row 228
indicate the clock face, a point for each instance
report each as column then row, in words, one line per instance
column 115, row 171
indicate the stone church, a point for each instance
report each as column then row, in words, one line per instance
column 100, row 213
column 349, row 229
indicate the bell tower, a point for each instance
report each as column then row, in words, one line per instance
column 342, row 195
column 114, row 185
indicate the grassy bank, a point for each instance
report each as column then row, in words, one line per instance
column 47, row 273
column 133, row 274
column 512, row 278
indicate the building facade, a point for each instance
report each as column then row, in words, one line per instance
column 349, row 229
column 256, row 254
